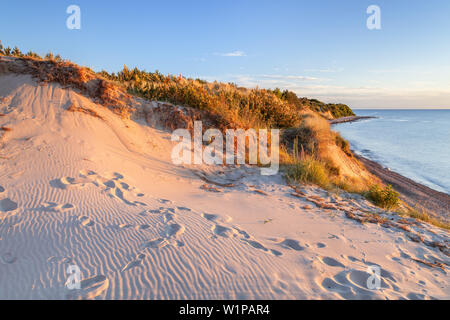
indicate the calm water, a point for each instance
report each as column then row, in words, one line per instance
column 414, row 143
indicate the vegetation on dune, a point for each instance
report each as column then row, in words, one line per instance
column 306, row 134
column 384, row 197
column 308, row 169
column 54, row 69
column 236, row 105
column 337, row 110
column 312, row 156
column 420, row 214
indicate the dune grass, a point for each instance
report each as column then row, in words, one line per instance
column 238, row 106
column 308, row 169
column 420, row 213
column 312, row 158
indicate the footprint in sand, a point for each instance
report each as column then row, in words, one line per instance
column 184, row 208
column 351, row 258
column 155, row 244
column 111, row 184
column 87, row 173
column 8, row 258
column 257, row 245
column 55, row 207
column 223, row 231
column 86, row 221
column 168, row 217
column 56, row 259
column 68, row 183
column 135, row 263
column 216, row 218
column 125, row 186
column 171, row 232
column 331, row 262
column 7, row 205
column 125, row 226
column 290, row 244
column 351, row 284
column 90, row 288
column 418, row 296
column 244, row 234
column 233, row 232
column 174, row 230
column 329, row 284
column 2, row 189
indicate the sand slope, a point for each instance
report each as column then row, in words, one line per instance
column 101, row 193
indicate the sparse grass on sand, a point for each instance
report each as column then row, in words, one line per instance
column 307, row 169
column 73, row 108
column 420, row 214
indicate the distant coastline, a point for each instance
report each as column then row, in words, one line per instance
column 350, row 119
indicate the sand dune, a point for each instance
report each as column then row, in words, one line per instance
column 101, row 193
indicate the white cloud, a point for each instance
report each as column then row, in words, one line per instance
column 328, row 70
column 289, row 77
column 236, row 53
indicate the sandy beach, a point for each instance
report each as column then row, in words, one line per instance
column 434, row 202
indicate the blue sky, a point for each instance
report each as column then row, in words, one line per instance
column 320, row 49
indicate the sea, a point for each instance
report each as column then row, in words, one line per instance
column 413, row 143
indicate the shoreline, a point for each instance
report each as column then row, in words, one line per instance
column 350, row 119
column 436, row 203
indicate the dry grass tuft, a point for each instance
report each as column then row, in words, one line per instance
column 261, row 192
column 420, row 214
column 315, row 154
column 73, row 108
column 435, row 264
column 209, row 188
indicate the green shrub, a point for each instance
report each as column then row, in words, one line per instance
column 386, row 198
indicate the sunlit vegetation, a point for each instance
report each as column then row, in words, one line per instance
column 384, row 197
column 306, row 132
